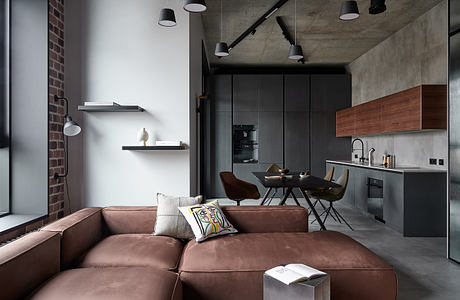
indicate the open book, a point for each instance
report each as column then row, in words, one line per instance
column 293, row 273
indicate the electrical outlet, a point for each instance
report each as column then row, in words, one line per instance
column 356, row 155
column 433, row 161
column 441, row 162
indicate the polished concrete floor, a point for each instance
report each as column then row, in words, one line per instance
column 424, row 272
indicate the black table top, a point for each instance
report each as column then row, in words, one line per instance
column 305, row 183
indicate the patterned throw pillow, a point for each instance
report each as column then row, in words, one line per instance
column 207, row 220
column 170, row 221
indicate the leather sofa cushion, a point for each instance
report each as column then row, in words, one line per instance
column 134, row 250
column 111, row 283
column 27, row 262
column 141, row 219
column 232, row 267
column 130, row 219
column 79, row 231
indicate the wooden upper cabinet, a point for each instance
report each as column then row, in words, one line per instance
column 420, row 108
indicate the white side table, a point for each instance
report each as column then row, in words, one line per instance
column 313, row 289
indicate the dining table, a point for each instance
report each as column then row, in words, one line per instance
column 293, row 181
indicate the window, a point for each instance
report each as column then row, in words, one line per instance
column 4, row 110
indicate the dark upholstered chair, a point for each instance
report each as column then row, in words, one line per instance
column 238, row 190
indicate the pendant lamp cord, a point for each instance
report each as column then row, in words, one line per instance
column 221, row 20
column 295, row 22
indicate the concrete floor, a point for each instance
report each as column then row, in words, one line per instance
column 424, row 272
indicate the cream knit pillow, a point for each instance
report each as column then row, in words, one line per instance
column 170, row 221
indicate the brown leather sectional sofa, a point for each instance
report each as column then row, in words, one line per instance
column 110, row 253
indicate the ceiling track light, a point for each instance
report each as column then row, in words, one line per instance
column 295, row 51
column 377, row 7
column 349, row 11
column 195, row 6
column 167, row 18
column 221, row 47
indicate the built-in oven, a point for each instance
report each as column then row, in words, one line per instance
column 375, row 199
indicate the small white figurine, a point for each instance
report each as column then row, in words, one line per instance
column 143, row 136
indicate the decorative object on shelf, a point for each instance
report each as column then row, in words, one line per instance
column 167, row 18
column 349, row 11
column 221, row 47
column 195, row 6
column 70, row 128
column 110, row 108
column 151, row 148
column 295, row 51
column 143, row 136
column 168, row 143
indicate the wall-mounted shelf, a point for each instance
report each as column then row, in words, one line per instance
column 152, row 148
column 111, row 108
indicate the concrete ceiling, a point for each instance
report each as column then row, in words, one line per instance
column 325, row 39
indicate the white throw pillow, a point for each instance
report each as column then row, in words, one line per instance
column 207, row 220
column 170, row 221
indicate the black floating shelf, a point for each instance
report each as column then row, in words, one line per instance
column 150, row 148
column 110, row 108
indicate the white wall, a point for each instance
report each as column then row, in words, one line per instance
column 417, row 54
column 115, row 51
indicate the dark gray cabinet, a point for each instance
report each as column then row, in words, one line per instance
column 413, row 202
column 245, row 93
column 271, row 137
column 270, row 92
column 220, row 132
column 330, row 92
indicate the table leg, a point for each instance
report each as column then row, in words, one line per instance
column 295, row 198
column 267, row 193
column 318, row 218
column 282, row 202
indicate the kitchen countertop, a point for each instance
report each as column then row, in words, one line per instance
column 398, row 169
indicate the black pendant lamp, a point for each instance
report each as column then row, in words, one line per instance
column 221, row 47
column 195, row 6
column 167, row 18
column 295, row 51
column 377, row 7
column 349, row 11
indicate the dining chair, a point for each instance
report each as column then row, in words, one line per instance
column 333, row 195
column 328, row 177
column 274, row 168
column 236, row 189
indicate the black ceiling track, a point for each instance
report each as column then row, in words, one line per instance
column 252, row 29
column 287, row 35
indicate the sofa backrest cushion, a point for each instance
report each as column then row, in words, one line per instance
column 28, row 262
column 79, row 232
column 130, row 219
column 260, row 219
column 249, row 219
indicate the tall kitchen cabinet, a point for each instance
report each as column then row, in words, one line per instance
column 287, row 119
column 329, row 94
column 258, row 102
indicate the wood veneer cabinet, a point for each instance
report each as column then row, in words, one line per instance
column 420, row 108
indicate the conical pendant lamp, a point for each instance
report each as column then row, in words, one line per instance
column 221, row 47
column 349, row 11
column 167, row 18
column 195, row 6
column 295, row 51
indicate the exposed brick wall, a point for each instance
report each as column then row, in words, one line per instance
column 56, row 119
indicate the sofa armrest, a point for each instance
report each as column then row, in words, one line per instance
column 79, row 232
column 260, row 219
column 28, row 262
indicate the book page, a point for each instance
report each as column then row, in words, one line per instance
column 305, row 271
column 284, row 275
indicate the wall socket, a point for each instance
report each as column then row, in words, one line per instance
column 441, row 162
column 433, row 161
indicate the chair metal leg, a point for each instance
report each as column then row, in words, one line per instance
column 343, row 219
column 327, row 214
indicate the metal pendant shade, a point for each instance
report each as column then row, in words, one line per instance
column 295, row 52
column 377, row 7
column 195, row 6
column 221, row 49
column 349, row 10
column 71, row 128
column 167, row 18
